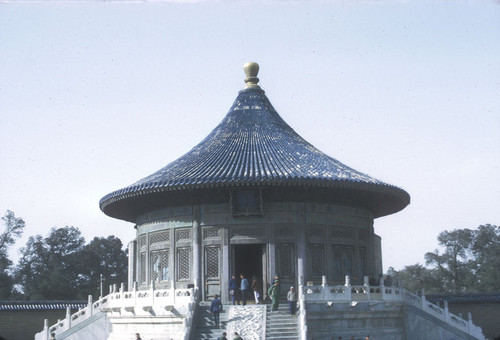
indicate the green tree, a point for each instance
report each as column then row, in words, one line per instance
column 106, row 257
column 48, row 266
column 469, row 262
column 61, row 266
column 415, row 278
column 485, row 248
column 13, row 229
column 453, row 264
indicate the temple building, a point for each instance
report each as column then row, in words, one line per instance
column 253, row 197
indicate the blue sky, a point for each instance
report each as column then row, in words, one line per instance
column 96, row 95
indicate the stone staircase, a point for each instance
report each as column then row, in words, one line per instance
column 280, row 324
column 203, row 324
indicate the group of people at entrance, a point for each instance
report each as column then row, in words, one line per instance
column 239, row 289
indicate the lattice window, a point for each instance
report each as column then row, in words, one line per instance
column 142, row 277
column 184, row 234
column 159, row 265
column 286, row 232
column 159, row 237
column 212, row 261
column 142, row 241
column 342, row 262
column 210, row 233
column 183, row 263
column 316, row 260
column 286, row 260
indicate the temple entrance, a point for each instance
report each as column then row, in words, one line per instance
column 249, row 259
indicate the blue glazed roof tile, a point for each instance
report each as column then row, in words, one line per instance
column 252, row 146
column 41, row 305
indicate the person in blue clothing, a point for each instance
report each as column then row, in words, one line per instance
column 244, row 287
column 234, row 289
column 215, row 309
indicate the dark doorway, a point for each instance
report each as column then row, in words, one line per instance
column 247, row 259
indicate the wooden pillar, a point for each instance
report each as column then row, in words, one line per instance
column 301, row 242
column 226, row 271
column 132, row 258
column 196, row 248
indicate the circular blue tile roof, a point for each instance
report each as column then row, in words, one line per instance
column 253, row 146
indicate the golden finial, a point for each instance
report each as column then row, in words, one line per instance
column 251, row 70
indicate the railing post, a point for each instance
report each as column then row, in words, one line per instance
column 134, row 291
column 469, row 322
column 172, row 292
column 152, row 291
column 89, row 306
column 46, row 329
column 367, row 285
column 348, row 292
column 446, row 311
column 423, row 300
column 324, row 285
column 68, row 318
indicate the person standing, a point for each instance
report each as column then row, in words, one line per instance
column 137, row 336
column 215, row 308
column 256, row 289
column 233, row 289
column 292, row 300
column 244, row 287
column 237, row 336
column 223, row 337
column 274, row 294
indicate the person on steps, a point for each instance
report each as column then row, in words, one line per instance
column 292, row 300
column 274, row 293
column 215, row 308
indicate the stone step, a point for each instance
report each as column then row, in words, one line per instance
column 204, row 327
column 280, row 325
column 288, row 331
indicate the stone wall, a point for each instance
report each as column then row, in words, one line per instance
column 379, row 320
column 23, row 324
column 420, row 325
column 485, row 315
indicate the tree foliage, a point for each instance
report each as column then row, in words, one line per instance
column 61, row 266
column 47, row 268
column 469, row 262
column 103, row 256
column 13, row 229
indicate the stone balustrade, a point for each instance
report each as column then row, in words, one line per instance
column 348, row 293
column 132, row 303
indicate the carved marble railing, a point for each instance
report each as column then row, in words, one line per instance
column 358, row 293
column 135, row 302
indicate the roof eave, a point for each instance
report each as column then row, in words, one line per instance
column 384, row 199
